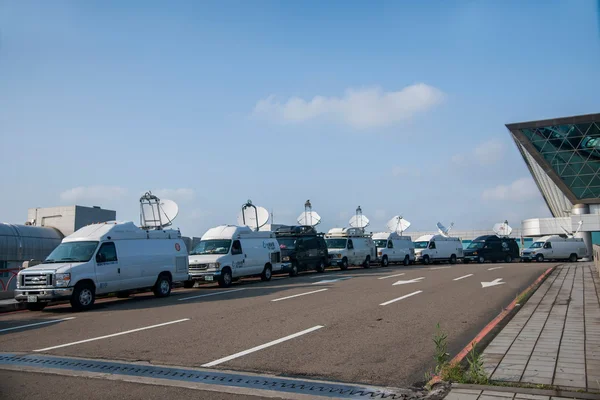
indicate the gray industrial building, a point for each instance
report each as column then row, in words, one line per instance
column 42, row 232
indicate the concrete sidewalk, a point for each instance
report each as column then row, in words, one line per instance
column 552, row 343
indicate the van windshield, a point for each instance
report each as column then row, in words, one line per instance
column 380, row 243
column 211, row 247
column 336, row 243
column 536, row 245
column 72, row 252
column 289, row 243
column 421, row 245
column 476, row 245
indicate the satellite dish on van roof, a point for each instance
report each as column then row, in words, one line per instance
column 253, row 216
column 502, row 229
column 572, row 234
column 156, row 213
column 397, row 224
column 359, row 220
column 443, row 230
column 309, row 217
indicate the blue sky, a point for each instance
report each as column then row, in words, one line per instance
column 395, row 106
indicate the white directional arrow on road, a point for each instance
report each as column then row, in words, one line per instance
column 405, row 282
column 332, row 280
column 492, row 283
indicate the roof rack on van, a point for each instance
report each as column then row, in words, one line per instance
column 296, row 230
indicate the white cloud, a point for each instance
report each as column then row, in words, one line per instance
column 520, row 190
column 93, row 193
column 486, row 153
column 179, row 195
column 360, row 108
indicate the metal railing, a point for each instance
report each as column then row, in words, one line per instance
column 597, row 257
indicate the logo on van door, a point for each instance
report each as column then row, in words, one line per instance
column 268, row 245
column 177, row 246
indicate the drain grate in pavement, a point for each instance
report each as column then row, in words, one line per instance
column 334, row 390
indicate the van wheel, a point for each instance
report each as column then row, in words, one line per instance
column 188, row 284
column 426, row 260
column 36, row 306
column 453, row 259
column 539, row 258
column 345, row 264
column 480, row 259
column 406, row 261
column 384, row 261
column 573, row 257
column 83, row 297
column 162, row 287
column 367, row 263
column 321, row 267
column 225, row 279
column 508, row 258
column 466, row 260
column 266, row 274
column 294, row 271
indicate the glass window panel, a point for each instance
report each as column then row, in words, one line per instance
column 588, row 169
column 563, row 156
column 578, row 192
column 581, row 129
column 579, row 183
column 568, row 180
column 574, row 168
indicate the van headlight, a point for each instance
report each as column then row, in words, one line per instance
column 339, row 256
column 62, row 280
column 18, row 281
column 214, row 265
column 286, row 258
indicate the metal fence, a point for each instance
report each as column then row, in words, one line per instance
column 597, row 257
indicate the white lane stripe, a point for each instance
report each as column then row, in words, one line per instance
column 462, row 277
column 322, row 275
column 36, row 324
column 301, row 294
column 262, row 346
column 211, row 294
column 440, row 268
column 109, row 336
column 493, row 268
column 401, row 298
column 391, row 276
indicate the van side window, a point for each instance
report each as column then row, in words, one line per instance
column 547, row 245
column 310, row 243
column 432, row 245
column 350, row 245
column 107, row 253
column 236, row 247
column 390, row 244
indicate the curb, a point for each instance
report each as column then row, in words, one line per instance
column 10, row 307
column 493, row 323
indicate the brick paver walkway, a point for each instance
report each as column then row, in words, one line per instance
column 555, row 338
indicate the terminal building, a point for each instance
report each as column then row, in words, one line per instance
column 563, row 156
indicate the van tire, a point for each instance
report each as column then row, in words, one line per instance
column 406, row 261
column 83, row 296
column 266, row 274
column 384, row 261
column 162, row 287
column 508, row 258
column 225, row 278
column 539, row 258
column 345, row 264
column 573, row 258
column 294, row 270
column 367, row 263
column 453, row 259
column 36, row 306
column 480, row 259
column 188, row 284
column 321, row 267
column 426, row 260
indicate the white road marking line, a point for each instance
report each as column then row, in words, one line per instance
column 416, row 280
column 391, row 276
column 440, row 268
column 262, row 346
column 301, row 294
column 211, row 294
column 331, row 280
column 321, row 275
column 36, row 324
column 493, row 268
column 109, row 336
column 462, row 277
column 401, row 298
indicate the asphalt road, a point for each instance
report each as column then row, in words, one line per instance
column 348, row 328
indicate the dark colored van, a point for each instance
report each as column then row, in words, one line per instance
column 492, row 248
column 302, row 249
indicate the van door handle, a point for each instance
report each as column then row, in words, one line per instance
column 245, row 255
column 119, row 270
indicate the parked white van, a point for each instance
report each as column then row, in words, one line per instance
column 393, row 248
column 430, row 248
column 555, row 248
column 229, row 252
column 98, row 259
column 350, row 246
